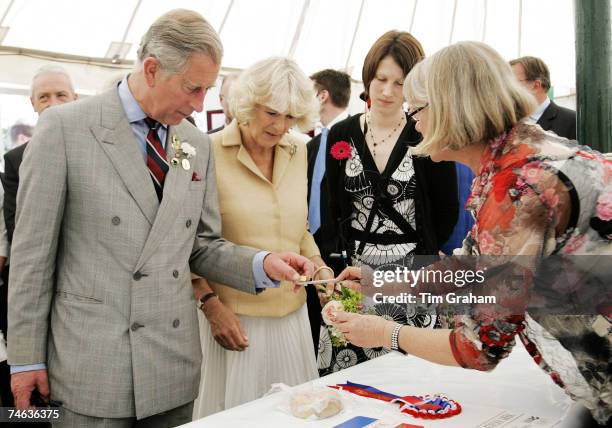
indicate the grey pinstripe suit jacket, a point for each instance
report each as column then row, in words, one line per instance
column 100, row 271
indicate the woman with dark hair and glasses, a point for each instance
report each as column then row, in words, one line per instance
column 387, row 204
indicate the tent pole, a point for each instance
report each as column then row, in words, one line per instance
column 593, row 77
column 520, row 29
column 414, row 6
column 348, row 58
column 129, row 25
column 6, row 12
column 298, row 30
column 484, row 21
column 227, row 12
column 452, row 29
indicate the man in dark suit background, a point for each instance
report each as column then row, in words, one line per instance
column 20, row 133
column 333, row 93
column 533, row 73
column 51, row 85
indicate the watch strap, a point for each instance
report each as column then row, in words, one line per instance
column 205, row 298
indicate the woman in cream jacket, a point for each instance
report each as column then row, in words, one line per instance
column 252, row 341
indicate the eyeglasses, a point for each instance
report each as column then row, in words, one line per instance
column 418, row 109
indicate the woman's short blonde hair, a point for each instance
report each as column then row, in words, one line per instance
column 471, row 93
column 277, row 83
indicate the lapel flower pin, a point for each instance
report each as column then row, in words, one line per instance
column 182, row 153
column 188, row 150
column 341, row 150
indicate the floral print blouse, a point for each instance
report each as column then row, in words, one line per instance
column 537, row 195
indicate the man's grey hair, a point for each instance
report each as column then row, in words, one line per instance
column 50, row 69
column 175, row 36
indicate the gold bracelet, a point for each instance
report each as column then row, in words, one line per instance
column 320, row 268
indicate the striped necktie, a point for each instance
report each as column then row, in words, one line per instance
column 156, row 157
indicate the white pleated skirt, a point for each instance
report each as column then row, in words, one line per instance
column 280, row 350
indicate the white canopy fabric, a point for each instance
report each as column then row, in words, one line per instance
column 85, row 35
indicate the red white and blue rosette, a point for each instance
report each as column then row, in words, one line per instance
column 435, row 406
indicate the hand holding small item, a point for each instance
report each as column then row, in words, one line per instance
column 325, row 290
column 288, row 267
column 323, row 279
column 367, row 331
column 344, row 300
column 351, row 278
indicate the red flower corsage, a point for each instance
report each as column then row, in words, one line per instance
column 341, row 150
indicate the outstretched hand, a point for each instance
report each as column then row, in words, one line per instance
column 288, row 267
column 351, row 277
column 352, row 273
column 367, row 331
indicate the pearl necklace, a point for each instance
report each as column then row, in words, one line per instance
column 374, row 143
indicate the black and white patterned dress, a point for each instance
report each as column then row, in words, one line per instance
column 401, row 195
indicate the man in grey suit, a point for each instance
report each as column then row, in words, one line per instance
column 110, row 222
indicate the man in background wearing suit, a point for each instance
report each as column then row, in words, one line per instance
column 51, row 85
column 118, row 203
column 226, row 86
column 533, row 73
column 333, row 93
column 20, row 133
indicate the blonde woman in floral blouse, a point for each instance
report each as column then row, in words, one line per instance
column 535, row 194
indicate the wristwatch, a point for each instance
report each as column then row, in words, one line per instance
column 395, row 338
column 205, row 299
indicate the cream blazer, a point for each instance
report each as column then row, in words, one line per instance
column 262, row 214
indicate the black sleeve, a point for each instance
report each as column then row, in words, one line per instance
column 332, row 174
column 444, row 198
column 10, row 182
column 333, row 194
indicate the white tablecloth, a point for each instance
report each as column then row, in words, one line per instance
column 516, row 387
